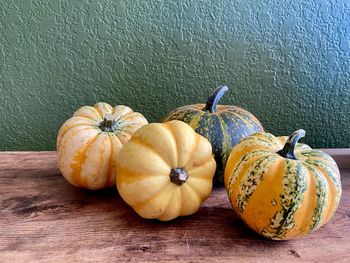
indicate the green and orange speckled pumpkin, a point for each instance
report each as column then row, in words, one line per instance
column 223, row 125
column 280, row 188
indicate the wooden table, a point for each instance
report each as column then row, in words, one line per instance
column 45, row 219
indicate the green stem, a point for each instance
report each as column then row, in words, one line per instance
column 213, row 100
column 289, row 147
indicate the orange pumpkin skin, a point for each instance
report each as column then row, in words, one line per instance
column 165, row 171
column 280, row 188
column 88, row 143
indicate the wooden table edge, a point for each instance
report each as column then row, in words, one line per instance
column 340, row 155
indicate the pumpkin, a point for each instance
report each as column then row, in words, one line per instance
column 88, row 144
column 223, row 125
column 165, row 171
column 280, row 188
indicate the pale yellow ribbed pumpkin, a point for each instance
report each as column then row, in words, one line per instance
column 165, row 170
column 280, row 188
column 88, row 144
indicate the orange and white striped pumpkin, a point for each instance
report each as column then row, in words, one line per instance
column 88, row 143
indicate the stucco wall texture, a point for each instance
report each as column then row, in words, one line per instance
column 288, row 62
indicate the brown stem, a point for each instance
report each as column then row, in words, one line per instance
column 108, row 124
column 178, row 176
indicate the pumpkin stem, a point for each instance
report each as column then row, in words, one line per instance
column 108, row 124
column 178, row 176
column 213, row 100
column 288, row 149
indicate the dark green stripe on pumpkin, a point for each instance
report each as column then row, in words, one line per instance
column 322, row 196
column 237, row 127
column 226, row 142
column 327, row 170
column 294, row 187
column 248, row 117
column 210, row 127
column 246, row 120
column 241, row 163
column 323, row 164
column 251, row 181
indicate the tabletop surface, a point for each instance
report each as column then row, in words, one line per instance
column 45, row 219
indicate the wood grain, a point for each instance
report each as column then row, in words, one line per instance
column 45, row 219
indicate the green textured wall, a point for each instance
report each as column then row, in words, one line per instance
column 288, row 62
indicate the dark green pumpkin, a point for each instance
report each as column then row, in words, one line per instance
column 223, row 125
